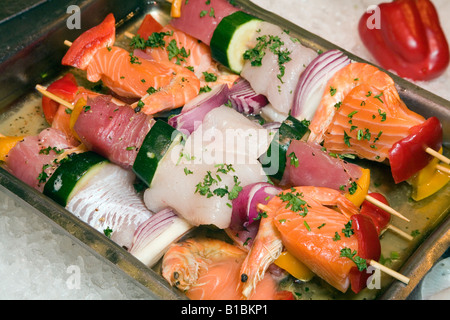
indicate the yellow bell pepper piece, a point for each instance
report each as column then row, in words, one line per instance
column 362, row 189
column 294, row 266
column 429, row 180
column 6, row 144
column 74, row 115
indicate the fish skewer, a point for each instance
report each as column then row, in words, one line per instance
column 373, row 263
column 372, row 200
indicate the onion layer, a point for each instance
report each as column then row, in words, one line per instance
column 244, row 99
column 245, row 209
column 195, row 110
column 313, row 81
column 153, row 237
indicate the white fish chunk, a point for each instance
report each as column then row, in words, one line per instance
column 266, row 79
column 109, row 200
column 199, row 184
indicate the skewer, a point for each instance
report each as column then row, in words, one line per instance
column 385, row 207
column 400, row 232
column 373, row 263
column 54, row 97
column 67, row 43
column 442, row 168
column 437, row 155
column 390, row 272
column 128, row 34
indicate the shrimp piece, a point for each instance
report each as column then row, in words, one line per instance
column 185, row 261
column 159, row 85
column 337, row 88
column 268, row 245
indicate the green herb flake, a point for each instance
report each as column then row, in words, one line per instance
column 360, row 262
column 294, row 159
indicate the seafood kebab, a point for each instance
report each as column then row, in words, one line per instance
column 224, row 120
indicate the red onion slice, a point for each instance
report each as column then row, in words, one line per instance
column 244, row 99
column 195, row 110
column 245, row 205
column 152, row 237
column 313, row 80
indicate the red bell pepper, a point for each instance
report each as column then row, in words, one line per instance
column 86, row 45
column 369, row 248
column 148, row 26
column 408, row 39
column 380, row 217
column 66, row 88
column 408, row 156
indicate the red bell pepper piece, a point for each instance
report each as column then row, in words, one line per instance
column 409, row 39
column 87, row 44
column 369, row 248
column 408, row 156
column 380, row 217
column 66, row 88
column 148, row 26
column 284, row 295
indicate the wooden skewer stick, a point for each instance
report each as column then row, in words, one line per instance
column 128, row 34
column 390, row 272
column 385, row 207
column 442, row 168
column 54, row 97
column 373, row 263
column 437, row 155
column 400, row 232
column 67, row 43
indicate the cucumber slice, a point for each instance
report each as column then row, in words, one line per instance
column 72, row 174
column 155, row 146
column 274, row 160
column 231, row 39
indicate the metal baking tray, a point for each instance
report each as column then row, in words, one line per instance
column 31, row 55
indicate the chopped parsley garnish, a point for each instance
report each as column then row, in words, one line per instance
column 360, row 262
column 351, row 114
column 274, row 44
column 336, row 237
column 306, row 225
column 204, row 188
column 333, row 91
column 294, row 159
column 134, row 59
column 378, row 96
column 348, row 231
column 108, row 231
column 210, row 77
column 295, row 202
column 152, row 90
column 382, row 115
column 353, row 188
column 179, row 53
column 205, row 89
column 338, row 105
column 347, row 139
column 261, row 214
column 155, row 40
column 48, row 149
